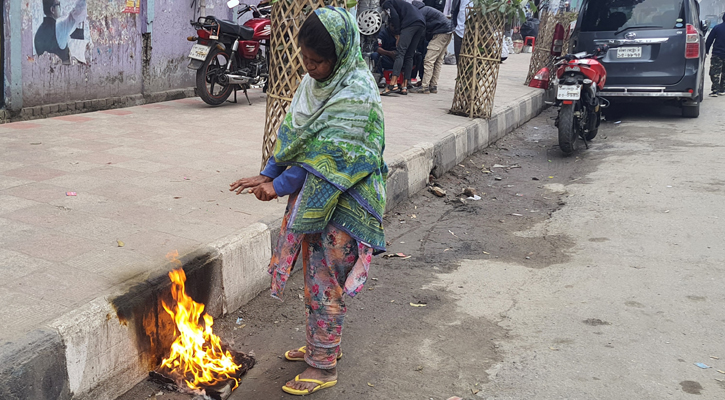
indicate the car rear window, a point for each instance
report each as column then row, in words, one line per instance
column 616, row 15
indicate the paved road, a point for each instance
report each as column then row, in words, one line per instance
column 597, row 276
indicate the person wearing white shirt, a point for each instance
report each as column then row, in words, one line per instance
column 458, row 20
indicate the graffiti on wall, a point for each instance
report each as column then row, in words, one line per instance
column 61, row 28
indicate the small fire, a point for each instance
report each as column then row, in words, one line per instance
column 196, row 354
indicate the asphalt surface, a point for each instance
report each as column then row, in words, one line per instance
column 595, row 276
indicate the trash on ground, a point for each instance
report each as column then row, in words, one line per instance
column 536, row 127
column 485, row 252
column 721, row 371
column 498, row 178
column 437, row 191
column 551, row 177
column 35, row 143
column 534, row 179
column 715, row 357
column 418, row 305
column 120, row 243
column 240, row 320
column 370, row 384
column 375, row 279
column 474, row 391
column 397, row 255
column 702, row 365
column 451, row 232
column 618, row 122
column 71, row 194
column 499, row 166
column 455, row 398
column 516, row 215
column 475, row 197
column 418, row 368
column 469, row 191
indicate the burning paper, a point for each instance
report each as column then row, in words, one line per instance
column 198, row 362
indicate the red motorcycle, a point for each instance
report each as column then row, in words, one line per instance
column 227, row 57
column 579, row 78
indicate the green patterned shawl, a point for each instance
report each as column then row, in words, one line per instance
column 335, row 131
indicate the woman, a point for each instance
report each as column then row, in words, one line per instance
column 329, row 160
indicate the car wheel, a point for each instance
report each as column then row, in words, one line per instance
column 691, row 111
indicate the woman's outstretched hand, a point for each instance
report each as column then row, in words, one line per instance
column 251, row 182
column 264, row 192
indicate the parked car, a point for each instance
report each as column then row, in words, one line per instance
column 658, row 49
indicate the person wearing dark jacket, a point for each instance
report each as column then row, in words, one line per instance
column 716, row 41
column 384, row 56
column 439, row 5
column 438, row 31
column 408, row 25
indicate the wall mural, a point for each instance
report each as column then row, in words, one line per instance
column 61, row 28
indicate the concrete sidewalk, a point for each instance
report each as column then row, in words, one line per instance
column 154, row 178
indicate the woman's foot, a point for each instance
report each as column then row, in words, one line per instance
column 296, row 354
column 324, row 375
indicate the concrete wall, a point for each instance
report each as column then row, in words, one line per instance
column 124, row 53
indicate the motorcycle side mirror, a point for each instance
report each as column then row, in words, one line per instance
column 232, row 3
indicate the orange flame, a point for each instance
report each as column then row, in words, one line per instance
column 196, row 353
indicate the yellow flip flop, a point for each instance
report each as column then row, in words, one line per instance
column 320, row 385
column 303, row 349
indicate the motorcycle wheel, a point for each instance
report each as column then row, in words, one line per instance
column 207, row 84
column 593, row 132
column 567, row 129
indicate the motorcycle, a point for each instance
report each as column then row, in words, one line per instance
column 227, row 57
column 579, row 78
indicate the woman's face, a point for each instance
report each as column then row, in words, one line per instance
column 319, row 68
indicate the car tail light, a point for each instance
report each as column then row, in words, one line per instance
column 692, row 48
column 541, row 79
column 558, row 44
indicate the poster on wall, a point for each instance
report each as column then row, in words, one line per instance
column 61, row 28
column 133, row 6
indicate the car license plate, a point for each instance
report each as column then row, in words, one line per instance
column 629, row 52
column 569, row 92
column 199, row 52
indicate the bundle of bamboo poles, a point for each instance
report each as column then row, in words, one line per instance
column 479, row 63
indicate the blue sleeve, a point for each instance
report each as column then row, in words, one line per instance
column 289, row 181
column 272, row 170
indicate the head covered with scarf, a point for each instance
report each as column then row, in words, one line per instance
column 335, row 131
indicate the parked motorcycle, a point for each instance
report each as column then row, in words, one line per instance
column 579, row 78
column 227, row 57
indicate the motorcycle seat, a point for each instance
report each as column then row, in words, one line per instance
column 230, row 28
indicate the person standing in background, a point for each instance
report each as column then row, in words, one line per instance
column 458, row 19
column 438, row 32
column 716, row 41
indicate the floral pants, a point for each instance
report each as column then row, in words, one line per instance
column 334, row 264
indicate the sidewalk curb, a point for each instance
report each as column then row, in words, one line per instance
column 101, row 350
